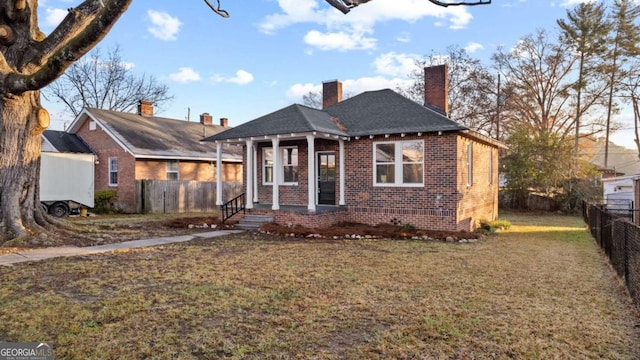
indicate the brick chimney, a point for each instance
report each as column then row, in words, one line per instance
column 331, row 93
column 224, row 122
column 145, row 108
column 206, row 119
column 436, row 87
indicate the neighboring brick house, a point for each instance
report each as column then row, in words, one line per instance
column 377, row 157
column 138, row 146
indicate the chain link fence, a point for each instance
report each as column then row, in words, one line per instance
column 619, row 238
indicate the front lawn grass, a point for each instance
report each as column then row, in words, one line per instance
column 541, row 290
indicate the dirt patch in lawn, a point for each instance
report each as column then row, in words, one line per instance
column 357, row 230
column 107, row 229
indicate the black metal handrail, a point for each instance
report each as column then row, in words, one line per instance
column 232, row 207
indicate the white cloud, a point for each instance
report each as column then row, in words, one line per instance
column 473, row 47
column 128, row 65
column 348, row 32
column 349, row 87
column 393, row 64
column 365, row 16
column 341, row 41
column 297, row 91
column 570, row 3
column 242, row 78
column 54, row 16
column 185, row 75
column 163, row 26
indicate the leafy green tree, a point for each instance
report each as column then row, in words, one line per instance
column 623, row 44
column 543, row 163
column 586, row 30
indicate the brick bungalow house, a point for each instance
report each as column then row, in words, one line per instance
column 377, row 157
column 138, row 146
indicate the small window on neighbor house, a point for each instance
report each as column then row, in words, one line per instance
column 399, row 163
column 113, row 171
column 92, row 124
column 173, row 170
column 470, row 164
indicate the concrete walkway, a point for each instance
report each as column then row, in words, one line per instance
column 53, row 252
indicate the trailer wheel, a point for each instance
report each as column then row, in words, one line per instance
column 59, row 209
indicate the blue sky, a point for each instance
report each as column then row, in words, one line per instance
column 267, row 55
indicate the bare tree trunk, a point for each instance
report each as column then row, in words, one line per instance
column 21, row 124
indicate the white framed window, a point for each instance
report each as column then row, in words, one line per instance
column 173, row 170
column 92, row 125
column 490, row 167
column 113, row 171
column 289, row 169
column 267, row 166
column 398, row 163
column 469, row 164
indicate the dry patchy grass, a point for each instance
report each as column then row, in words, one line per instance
column 539, row 291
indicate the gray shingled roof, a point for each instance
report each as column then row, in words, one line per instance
column 387, row 112
column 370, row 113
column 65, row 142
column 162, row 137
column 291, row 119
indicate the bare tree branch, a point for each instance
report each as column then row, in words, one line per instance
column 82, row 29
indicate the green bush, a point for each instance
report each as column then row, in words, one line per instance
column 500, row 224
column 490, row 227
column 105, row 201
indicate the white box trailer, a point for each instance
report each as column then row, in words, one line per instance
column 66, row 182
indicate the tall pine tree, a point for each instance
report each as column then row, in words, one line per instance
column 623, row 46
column 585, row 30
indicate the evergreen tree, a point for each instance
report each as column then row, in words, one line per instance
column 585, row 30
column 623, row 46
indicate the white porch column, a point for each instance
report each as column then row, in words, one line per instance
column 275, row 204
column 311, row 163
column 342, row 172
column 219, row 184
column 249, row 175
column 255, row 174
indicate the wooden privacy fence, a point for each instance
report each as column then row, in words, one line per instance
column 177, row 196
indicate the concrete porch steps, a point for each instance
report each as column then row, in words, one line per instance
column 253, row 222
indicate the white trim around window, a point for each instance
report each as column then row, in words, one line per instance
column 173, row 170
column 470, row 164
column 113, row 171
column 398, row 163
column 490, row 166
column 289, row 165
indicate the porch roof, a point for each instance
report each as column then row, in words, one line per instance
column 370, row 113
column 291, row 119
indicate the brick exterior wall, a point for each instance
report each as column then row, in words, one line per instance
column 105, row 147
column 479, row 201
column 445, row 202
column 130, row 169
column 432, row 206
